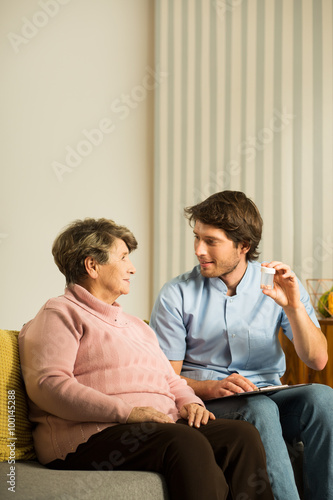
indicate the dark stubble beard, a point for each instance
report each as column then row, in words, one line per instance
column 221, row 276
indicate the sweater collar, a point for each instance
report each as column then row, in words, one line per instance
column 112, row 314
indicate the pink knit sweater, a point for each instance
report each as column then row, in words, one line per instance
column 86, row 364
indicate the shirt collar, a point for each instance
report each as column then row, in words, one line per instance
column 249, row 276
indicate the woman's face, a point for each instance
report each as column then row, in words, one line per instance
column 114, row 276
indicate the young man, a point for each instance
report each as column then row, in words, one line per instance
column 220, row 332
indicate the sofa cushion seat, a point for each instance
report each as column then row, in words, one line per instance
column 35, row 482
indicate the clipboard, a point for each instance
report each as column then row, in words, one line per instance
column 269, row 389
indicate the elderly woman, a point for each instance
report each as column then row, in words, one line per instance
column 102, row 394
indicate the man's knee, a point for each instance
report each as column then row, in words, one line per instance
column 319, row 399
column 318, row 393
column 257, row 410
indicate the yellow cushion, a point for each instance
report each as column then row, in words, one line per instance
column 15, row 428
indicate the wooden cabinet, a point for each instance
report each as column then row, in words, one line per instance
column 297, row 372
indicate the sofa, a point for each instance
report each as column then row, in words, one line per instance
column 23, row 478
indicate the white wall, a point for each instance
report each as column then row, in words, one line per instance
column 66, row 67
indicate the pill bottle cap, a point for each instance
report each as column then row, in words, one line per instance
column 268, row 270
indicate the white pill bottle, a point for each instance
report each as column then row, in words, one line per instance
column 267, row 278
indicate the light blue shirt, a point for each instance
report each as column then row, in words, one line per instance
column 217, row 335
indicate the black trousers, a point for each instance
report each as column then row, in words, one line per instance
column 222, row 460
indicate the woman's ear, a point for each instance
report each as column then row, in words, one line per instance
column 91, row 267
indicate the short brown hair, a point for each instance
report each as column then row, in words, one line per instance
column 87, row 238
column 235, row 214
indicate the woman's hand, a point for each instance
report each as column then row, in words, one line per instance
column 196, row 414
column 148, row 414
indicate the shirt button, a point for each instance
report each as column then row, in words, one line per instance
column 233, row 335
column 230, row 300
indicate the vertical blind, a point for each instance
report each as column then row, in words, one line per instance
column 246, row 105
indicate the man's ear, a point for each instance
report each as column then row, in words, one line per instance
column 245, row 247
column 91, row 267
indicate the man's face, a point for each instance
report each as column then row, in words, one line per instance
column 218, row 255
